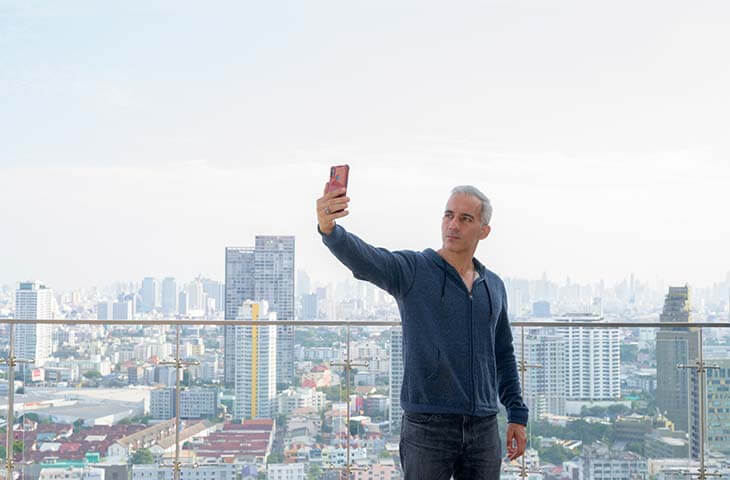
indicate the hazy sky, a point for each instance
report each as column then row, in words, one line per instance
column 141, row 138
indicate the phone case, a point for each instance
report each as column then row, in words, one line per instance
column 338, row 177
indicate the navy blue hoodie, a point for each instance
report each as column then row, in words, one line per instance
column 457, row 346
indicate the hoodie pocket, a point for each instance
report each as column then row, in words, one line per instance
column 435, row 368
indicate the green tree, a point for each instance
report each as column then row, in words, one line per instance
column 275, row 457
column 92, row 374
column 617, row 409
column 143, row 456
column 315, row 471
column 636, row 447
column 555, row 454
column 78, row 425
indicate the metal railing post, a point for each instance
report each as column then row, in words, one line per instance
column 179, row 365
column 523, row 366
column 11, row 362
column 701, row 369
column 347, row 366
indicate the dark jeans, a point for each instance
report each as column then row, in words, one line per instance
column 437, row 446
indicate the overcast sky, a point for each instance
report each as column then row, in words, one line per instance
column 142, row 138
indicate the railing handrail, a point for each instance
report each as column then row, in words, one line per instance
column 353, row 323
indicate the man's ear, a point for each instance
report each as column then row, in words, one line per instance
column 484, row 232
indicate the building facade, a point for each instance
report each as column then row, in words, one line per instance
column 256, row 364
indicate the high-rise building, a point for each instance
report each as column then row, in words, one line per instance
column 396, row 377
column 309, row 306
column 304, row 284
column 256, row 364
column 122, row 310
column 593, row 360
column 214, row 290
column 183, row 303
column 545, row 379
column 33, row 301
column 274, row 272
column 104, row 311
column 675, row 345
column 169, row 296
column 150, row 293
column 195, row 293
column 541, row 309
column 239, row 287
column 264, row 272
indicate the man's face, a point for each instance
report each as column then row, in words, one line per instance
column 461, row 226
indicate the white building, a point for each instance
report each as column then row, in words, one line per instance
column 71, row 473
column 545, row 378
column 599, row 463
column 592, row 360
column 286, row 471
column 204, row 471
column 194, row 403
column 198, row 402
column 292, row 398
column 256, row 364
column 162, row 403
column 123, row 310
column 104, row 310
column 396, row 376
column 32, row 340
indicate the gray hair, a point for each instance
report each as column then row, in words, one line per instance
column 475, row 192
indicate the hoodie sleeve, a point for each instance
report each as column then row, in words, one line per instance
column 394, row 272
column 508, row 381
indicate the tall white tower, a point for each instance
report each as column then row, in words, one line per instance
column 255, row 384
column 396, row 376
column 33, row 300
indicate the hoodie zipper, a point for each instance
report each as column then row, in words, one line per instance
column 471, row 347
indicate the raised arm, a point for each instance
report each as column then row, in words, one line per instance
column 391, row 271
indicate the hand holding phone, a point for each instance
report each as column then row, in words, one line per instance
column 338, row 180
column 334, row 202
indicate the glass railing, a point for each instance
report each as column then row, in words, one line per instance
column 149, row 400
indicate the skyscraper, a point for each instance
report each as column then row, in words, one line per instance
column 169, row 296
column 593, row 360
column 239, row 287
column 264, row 272
column 309, row 306
column 183, row 303
column 396, row 376
column 274, row 274
column 214, row 290
column 150, row 293
column 104, row 310
column 675, row 345
column 123, row 310
column 196, row 300
column 33, row 301
column 255, row 357
column 304, row 284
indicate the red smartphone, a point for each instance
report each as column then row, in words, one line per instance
column 338, row 179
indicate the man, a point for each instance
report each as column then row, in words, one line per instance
column 457, row 343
